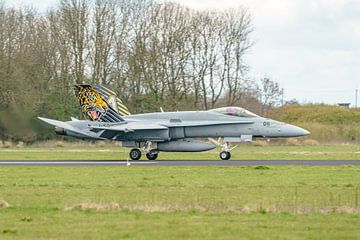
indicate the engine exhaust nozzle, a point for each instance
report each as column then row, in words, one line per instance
column 60, row 131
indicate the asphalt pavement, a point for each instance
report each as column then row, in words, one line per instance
column 80, row 163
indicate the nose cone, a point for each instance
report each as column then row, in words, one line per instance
column 306, row 132
column 294, row 131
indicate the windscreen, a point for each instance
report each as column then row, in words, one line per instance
column 235, row 111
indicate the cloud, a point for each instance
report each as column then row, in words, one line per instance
column 351, row 29
column 41, row 5
column 314, row 55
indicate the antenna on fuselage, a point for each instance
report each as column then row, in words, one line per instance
column 161, row 109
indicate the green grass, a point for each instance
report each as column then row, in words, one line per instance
column 346, row 152
column 327, row 123
column 317, row 113
column 282, row 202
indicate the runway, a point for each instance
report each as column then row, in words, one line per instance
column 79, row 163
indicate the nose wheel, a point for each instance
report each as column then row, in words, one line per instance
column 224, row 155
column 135, row 154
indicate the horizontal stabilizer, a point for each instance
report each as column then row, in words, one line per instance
column 63, row 125
column 57, row 123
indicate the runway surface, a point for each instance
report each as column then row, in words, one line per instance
column 177, row 163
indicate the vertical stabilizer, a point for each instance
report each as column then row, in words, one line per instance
column 96, row 106
column 111, row 98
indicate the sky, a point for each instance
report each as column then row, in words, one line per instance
column 311, row 47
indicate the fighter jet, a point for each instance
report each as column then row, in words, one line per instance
column 107, row 118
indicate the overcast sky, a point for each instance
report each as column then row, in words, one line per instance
column 311, row 47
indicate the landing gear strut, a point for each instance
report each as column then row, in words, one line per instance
column 135, row 154
column 151, row 151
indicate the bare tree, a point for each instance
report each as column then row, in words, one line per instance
column 102, row 40
column 236, row 43
column 59, row 53
column 151, row 53
column 270, row 94
column 74, row 18
column 132, row 19
column 221, row 41
column 205, row 55
column 170, row 35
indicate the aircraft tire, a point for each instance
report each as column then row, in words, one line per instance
column 135, row 154
column 151, row 157
column 224, row 155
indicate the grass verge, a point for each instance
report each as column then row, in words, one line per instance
column 280, row 202
column 244, row 152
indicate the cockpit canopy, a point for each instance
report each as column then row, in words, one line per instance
column 234, row 111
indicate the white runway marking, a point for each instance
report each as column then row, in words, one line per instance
column 72, row 163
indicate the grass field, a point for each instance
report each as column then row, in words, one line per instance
column 258, row 202
column 244, row 152
column 180, row 202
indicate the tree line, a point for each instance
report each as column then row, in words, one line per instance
column 152, row 54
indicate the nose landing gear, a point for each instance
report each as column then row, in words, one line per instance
column 225, row 148
column 225, row 153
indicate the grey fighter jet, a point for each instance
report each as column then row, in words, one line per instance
column 151, row 133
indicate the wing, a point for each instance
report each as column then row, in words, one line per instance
column 139, row 131
column 202, row 123
column 137, row 126
column 129, row 127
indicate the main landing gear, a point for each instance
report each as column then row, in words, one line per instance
column 135, row 154
column 151, row 153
